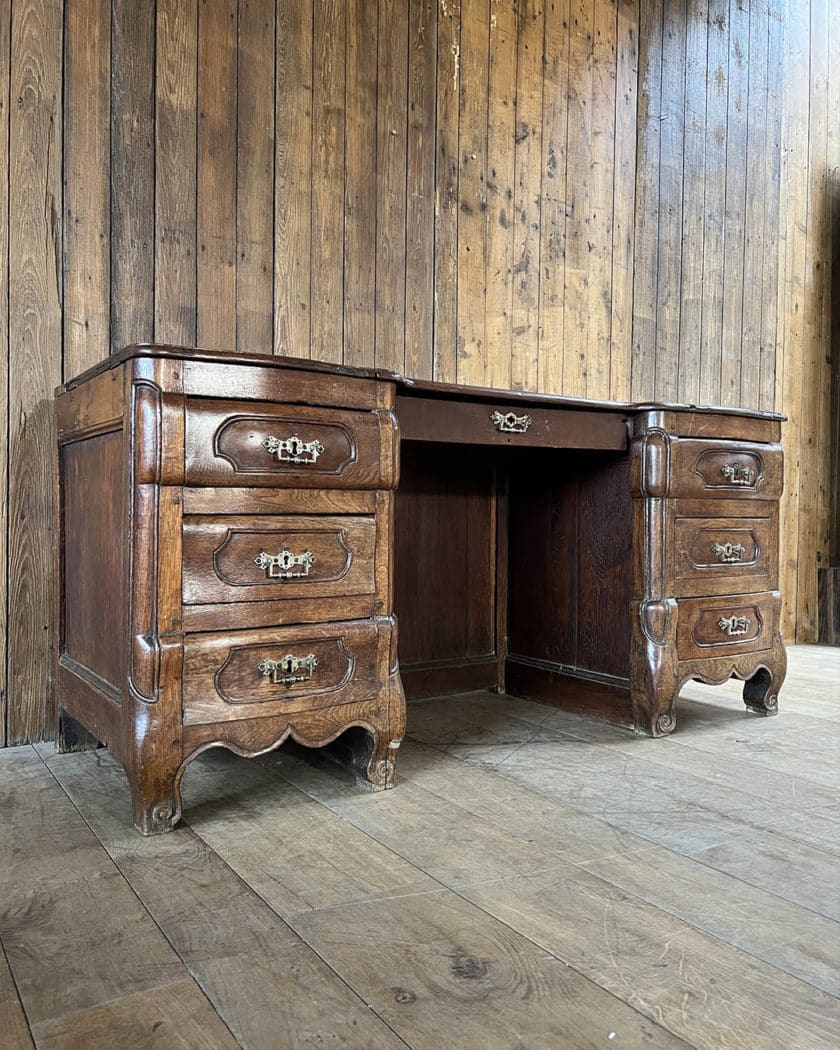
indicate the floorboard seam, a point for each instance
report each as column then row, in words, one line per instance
column 830, row 857
column 187, row 970
column 652, row 844
column 13, row 979
column 295, row 932
column 495, row 918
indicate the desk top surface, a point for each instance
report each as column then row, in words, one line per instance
column 408, row 387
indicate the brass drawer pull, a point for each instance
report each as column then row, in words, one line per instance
column 510, row 423
column 738, row 475
column 285, row 670
column 728, row 552
column 282, row 566
column 734, row 625
column 293, row 449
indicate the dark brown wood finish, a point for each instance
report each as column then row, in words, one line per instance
column 684, row 623
column 232, row 554
column 171, row 620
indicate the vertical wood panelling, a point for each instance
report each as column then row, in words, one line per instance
column 35, row 213
column 643, row 368
column 5, row 57
column 693, row 200
column 87, row 198
column 553, row 194
column 446, row 191
column 624, row 197
column 671, row 200
column 216, row 175
column 772, row 163
column 580, row 330
column 599, row 289
column 420, row 188
column 391, row 138
column 815, row 385
column 755, row 196
column 328, row 94
column 132, row 172
column 793, row 307
column 175, row 171
column 733, row 215
column 360, row 184
column 255, row 177
column 472, row 196
column 293, row 178
column 524, row 367
column 714, row 200
column 501, row 132
column 600, row 197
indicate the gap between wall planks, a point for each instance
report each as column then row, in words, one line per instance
column 585, row 196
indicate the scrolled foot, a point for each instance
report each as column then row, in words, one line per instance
column 761, row 693
column 666, row 723
column 155, row 817
column 375, row 763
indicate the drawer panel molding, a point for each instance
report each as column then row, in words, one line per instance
column 724, row 555
column 726, row 470
column 248, row 674
column 717, row 626
column 230, row 443
column 262, row 558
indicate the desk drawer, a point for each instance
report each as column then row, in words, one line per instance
column 258, row 559
column 251, row 674
column 510, row 424
column 709, row 627
column 725, row 470
column 252, row 443
column 725, row 554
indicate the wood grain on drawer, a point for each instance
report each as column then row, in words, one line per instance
column 252, row 559
column 725, row 554
column 239, row 443
column 725, row 470
column 708, row 627
column 250, row 674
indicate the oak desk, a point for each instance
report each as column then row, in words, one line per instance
column 235, row 539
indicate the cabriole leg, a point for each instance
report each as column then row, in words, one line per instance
column 761, row 692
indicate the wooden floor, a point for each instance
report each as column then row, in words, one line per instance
column 537, row 879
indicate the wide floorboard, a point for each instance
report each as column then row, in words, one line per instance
column 537, row 879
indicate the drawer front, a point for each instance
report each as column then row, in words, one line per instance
column 725, row 470
column 254, row 559
column 509, row 425
column 709, row 627
column 236, row 443
column 724, row 555
column 251, row 674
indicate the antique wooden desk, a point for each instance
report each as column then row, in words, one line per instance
column 233, row 548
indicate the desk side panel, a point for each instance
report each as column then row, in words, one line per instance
column 94, row 514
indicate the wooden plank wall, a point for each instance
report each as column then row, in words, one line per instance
column 612, row 198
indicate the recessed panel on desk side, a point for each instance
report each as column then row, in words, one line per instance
column 94, row 554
